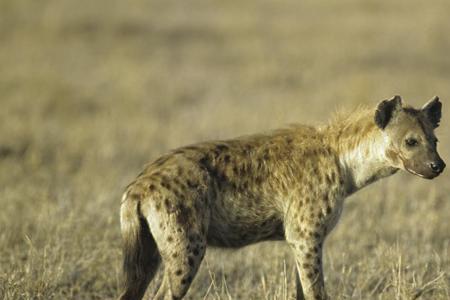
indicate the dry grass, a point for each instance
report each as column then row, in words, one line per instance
column 91, row 90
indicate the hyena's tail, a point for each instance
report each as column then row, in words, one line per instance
column 140, row 254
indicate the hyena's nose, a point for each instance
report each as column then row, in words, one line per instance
column 437, row 166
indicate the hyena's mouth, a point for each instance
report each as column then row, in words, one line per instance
column 425, row 176
column 415, row 173
column 410, row 170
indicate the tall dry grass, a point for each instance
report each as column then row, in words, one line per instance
column 91, row 90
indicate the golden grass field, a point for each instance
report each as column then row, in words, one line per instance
column 92, row 90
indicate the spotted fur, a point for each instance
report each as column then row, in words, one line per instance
column 286, row 185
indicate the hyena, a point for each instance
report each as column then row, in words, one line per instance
column 287, row 185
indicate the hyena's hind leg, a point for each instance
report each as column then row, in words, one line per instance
column 180, row 230
column 141, row 257
column 181, row 264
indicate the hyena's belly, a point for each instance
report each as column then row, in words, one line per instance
column 235, row 223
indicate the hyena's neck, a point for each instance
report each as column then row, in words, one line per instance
column 361, row 148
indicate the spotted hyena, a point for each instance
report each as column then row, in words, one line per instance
column 286, row 185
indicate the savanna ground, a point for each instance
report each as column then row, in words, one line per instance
column 92, row 90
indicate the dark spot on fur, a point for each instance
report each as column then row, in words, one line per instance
column 175, row 255
column 204, row 161
column 198, row 206
column 221, row 177
column 192, row 238
column 165, row 184
column 177, row 181
column 178, row 272
column 183, row 214
column 152, row 187
column 134, row 196
column 170, row 239
column 235, row 170
column 179, row 171
column 196, row 252
column 178, row 193
column 259, row 180
column 191, row 261
column 191, row 184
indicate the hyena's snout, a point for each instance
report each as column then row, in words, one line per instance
column 428, row 167
column 437, row 166
column 431, row 167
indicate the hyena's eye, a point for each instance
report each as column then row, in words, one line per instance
column 411, row 142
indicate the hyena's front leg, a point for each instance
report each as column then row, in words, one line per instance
column 306, row 243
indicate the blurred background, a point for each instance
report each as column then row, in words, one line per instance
column 92, row 90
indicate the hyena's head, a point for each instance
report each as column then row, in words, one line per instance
column 410, row 136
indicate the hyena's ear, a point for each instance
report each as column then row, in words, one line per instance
column 432, row 110
column 386, row 109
